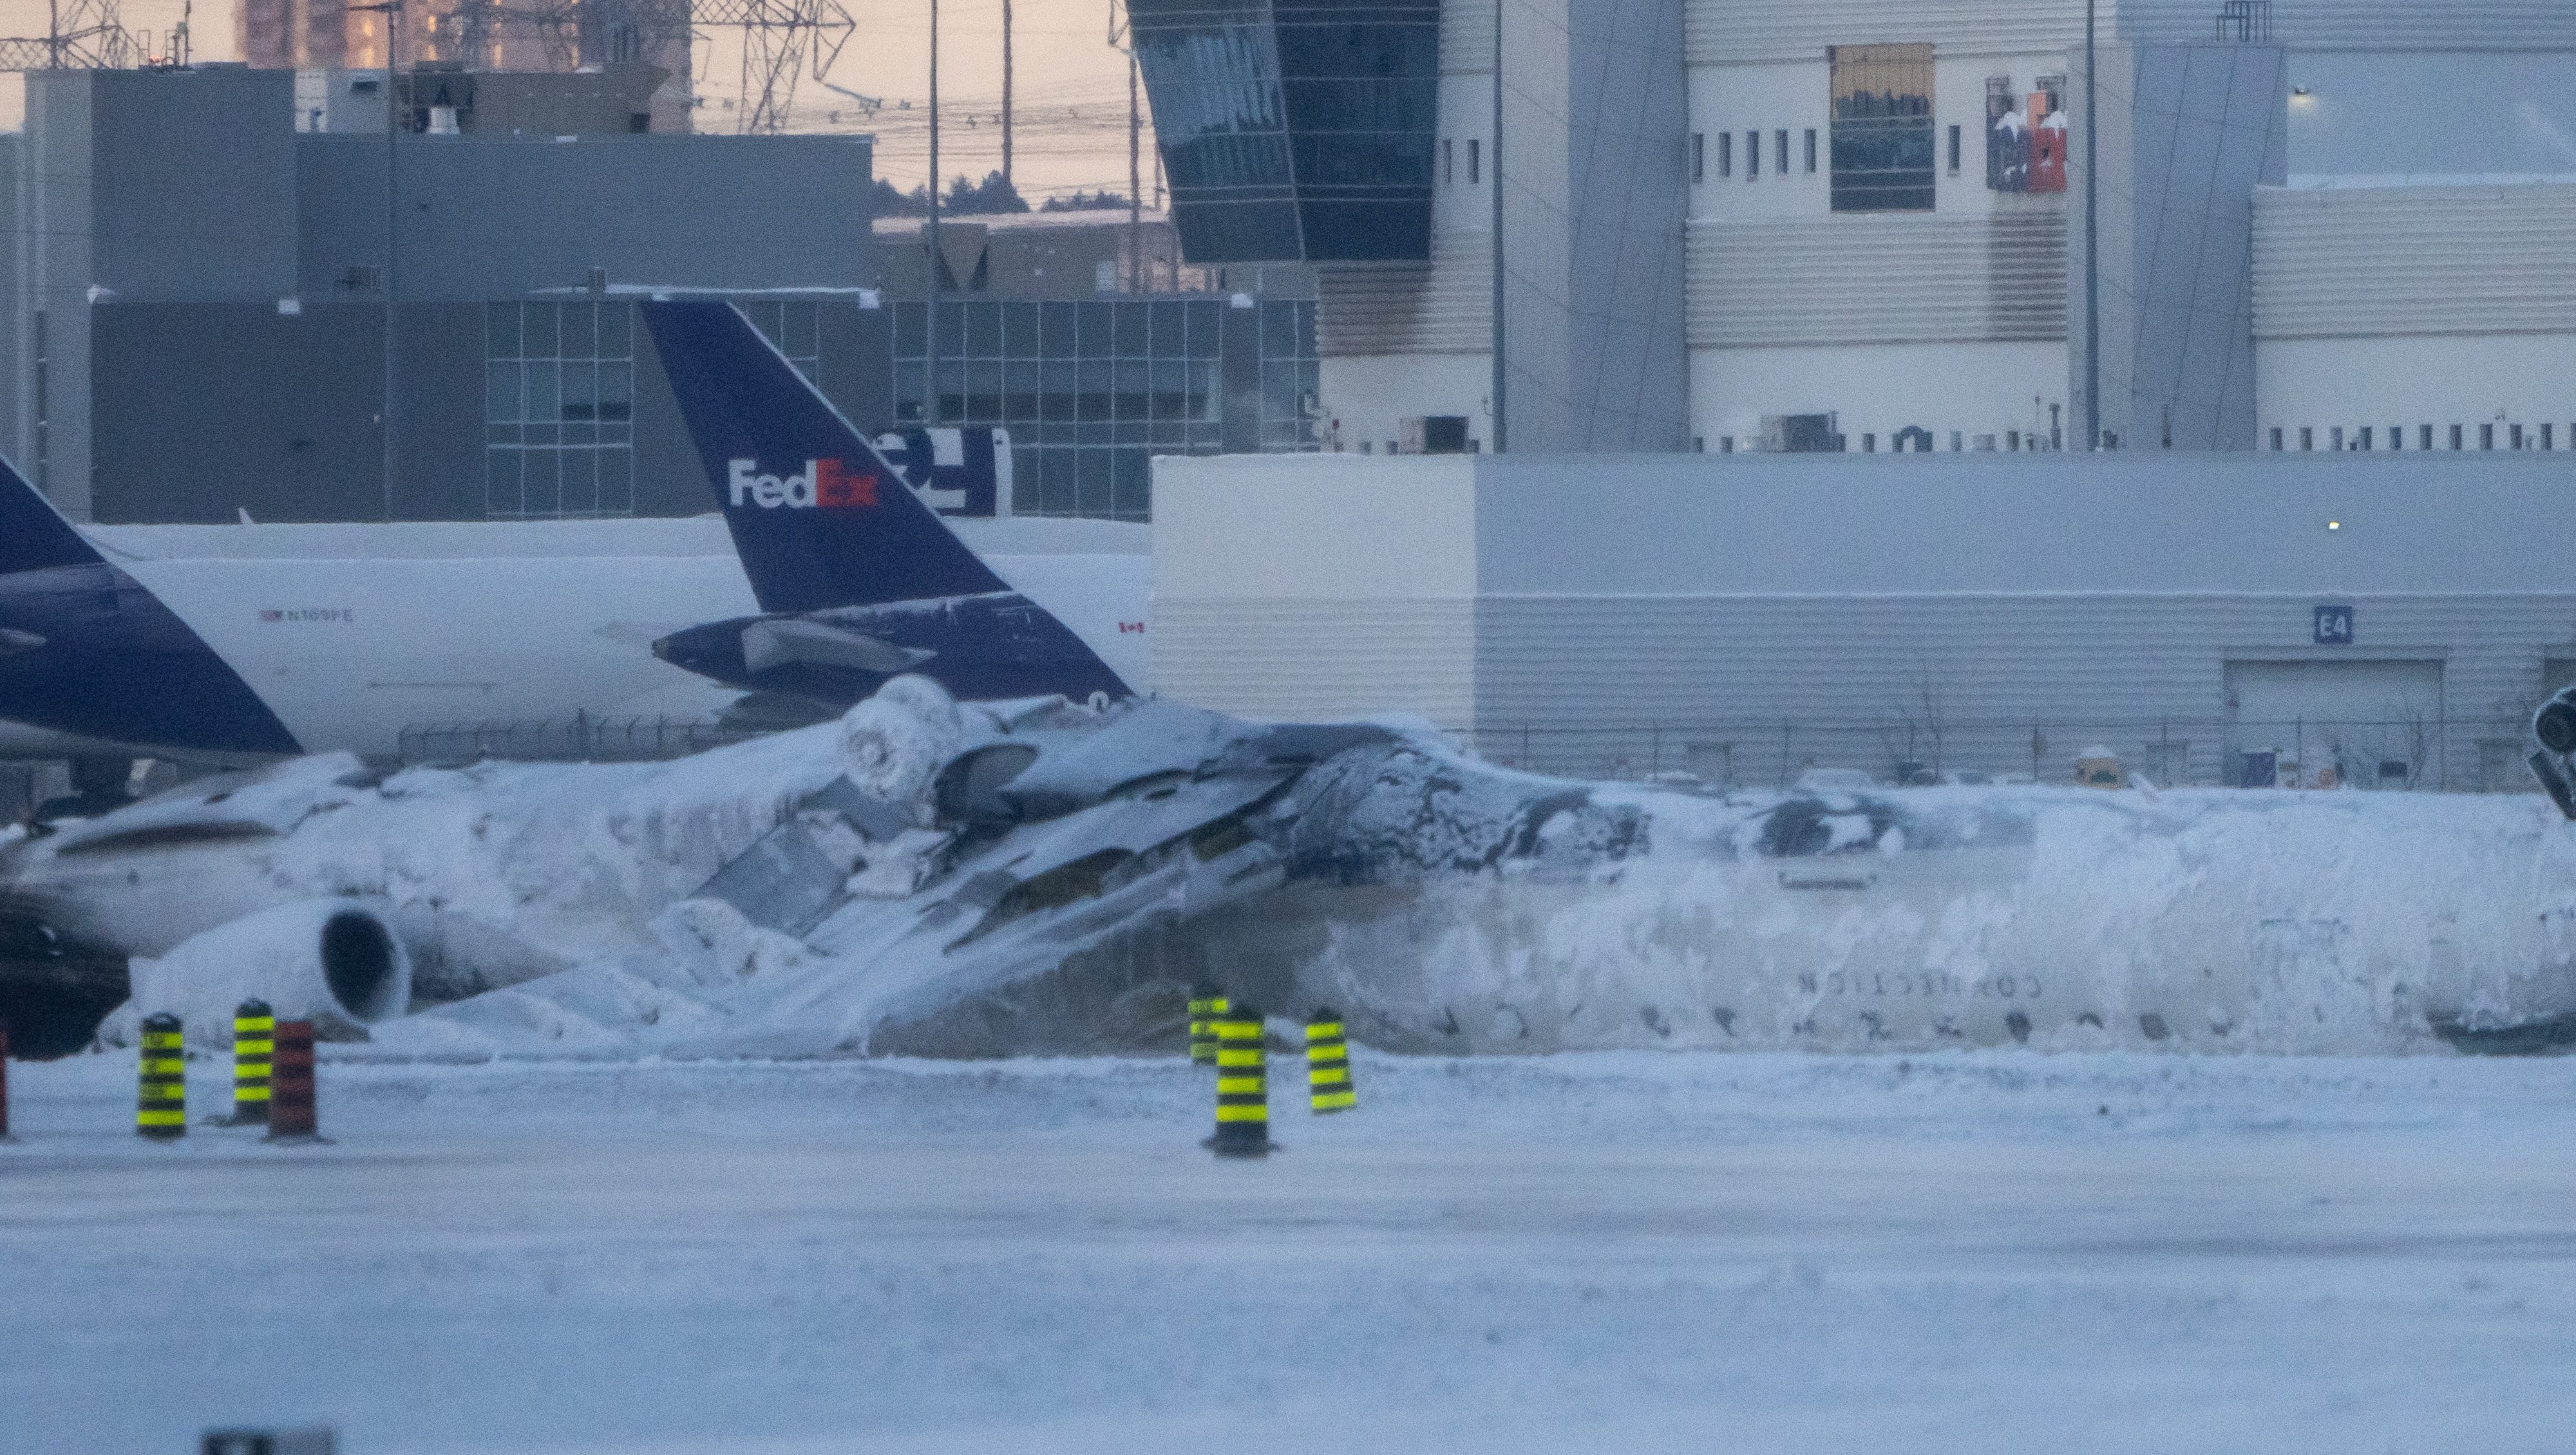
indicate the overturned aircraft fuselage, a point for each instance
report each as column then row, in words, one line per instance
column 926, row 878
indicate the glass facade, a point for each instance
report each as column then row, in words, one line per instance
column 1883, row 146
column 558, row 410
column 1092, row 391
column 1289, row 376
column 792, row 328
column 1294, row 130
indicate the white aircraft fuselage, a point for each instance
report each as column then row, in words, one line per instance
column 352, row 636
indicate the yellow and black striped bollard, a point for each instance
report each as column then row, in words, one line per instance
column 1242, row 1086
column 1205, row 1006
column 161, row 1106
column 1328, row 1064
column 254, row 1025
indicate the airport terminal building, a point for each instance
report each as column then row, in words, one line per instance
column 1731, row 229
column 1880, row 225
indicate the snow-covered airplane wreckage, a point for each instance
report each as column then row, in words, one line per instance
column 922, row 877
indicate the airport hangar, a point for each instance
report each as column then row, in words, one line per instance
column 2219, row 619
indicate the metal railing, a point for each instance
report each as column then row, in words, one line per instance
column 2423, row 754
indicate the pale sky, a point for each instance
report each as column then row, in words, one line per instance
column 1070, row 92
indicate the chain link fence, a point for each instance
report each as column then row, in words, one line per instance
column 2398, row 755
column 580, row 739
column 2433, row 755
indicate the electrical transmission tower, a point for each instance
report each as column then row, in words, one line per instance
column 781, row 39
column 80, row 35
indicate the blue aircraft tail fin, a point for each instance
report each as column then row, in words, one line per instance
column 33, row 535
column 820, row 518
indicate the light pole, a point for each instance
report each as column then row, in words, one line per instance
column 930, row 309
column 2092, row 244
column 1500, row 382
column 392, row 12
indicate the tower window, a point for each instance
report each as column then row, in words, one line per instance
column 1883, row 139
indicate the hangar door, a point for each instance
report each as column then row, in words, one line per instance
column 2316, row 724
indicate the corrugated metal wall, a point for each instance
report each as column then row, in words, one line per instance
column 1984, row 616
column 1589, row 684
column 1862, row 278
column 1308, row 659
column 1441, row 307
column 2331, row 262
column 1466, row 37
column 1719, row 32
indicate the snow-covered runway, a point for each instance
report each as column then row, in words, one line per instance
column 1991, row 1251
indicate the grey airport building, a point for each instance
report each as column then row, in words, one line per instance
column 197, row 305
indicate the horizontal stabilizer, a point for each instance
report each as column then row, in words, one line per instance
column 780, row 641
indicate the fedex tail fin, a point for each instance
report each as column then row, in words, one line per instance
column 821, row 519
column 33, row 535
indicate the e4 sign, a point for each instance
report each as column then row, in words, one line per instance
column 2334, row 626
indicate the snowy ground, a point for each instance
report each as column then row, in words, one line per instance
column 1982, row 1252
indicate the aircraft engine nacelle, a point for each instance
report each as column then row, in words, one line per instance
column 336, row 962
column 2555, row 763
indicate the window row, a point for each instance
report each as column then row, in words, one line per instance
column 1166, row 436
column 982, row 392
column 558, row 393
column 1752, row 168
column 1474, row 152
column 533, row 484
column 1113, row 329
column 1104, row 484
column 559, row 331
column 793, row 328
column 2489, row 435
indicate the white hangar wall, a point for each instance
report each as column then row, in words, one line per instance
column 2419, row 313
column 1746, row 618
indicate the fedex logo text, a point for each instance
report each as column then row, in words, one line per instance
column 824, row 484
